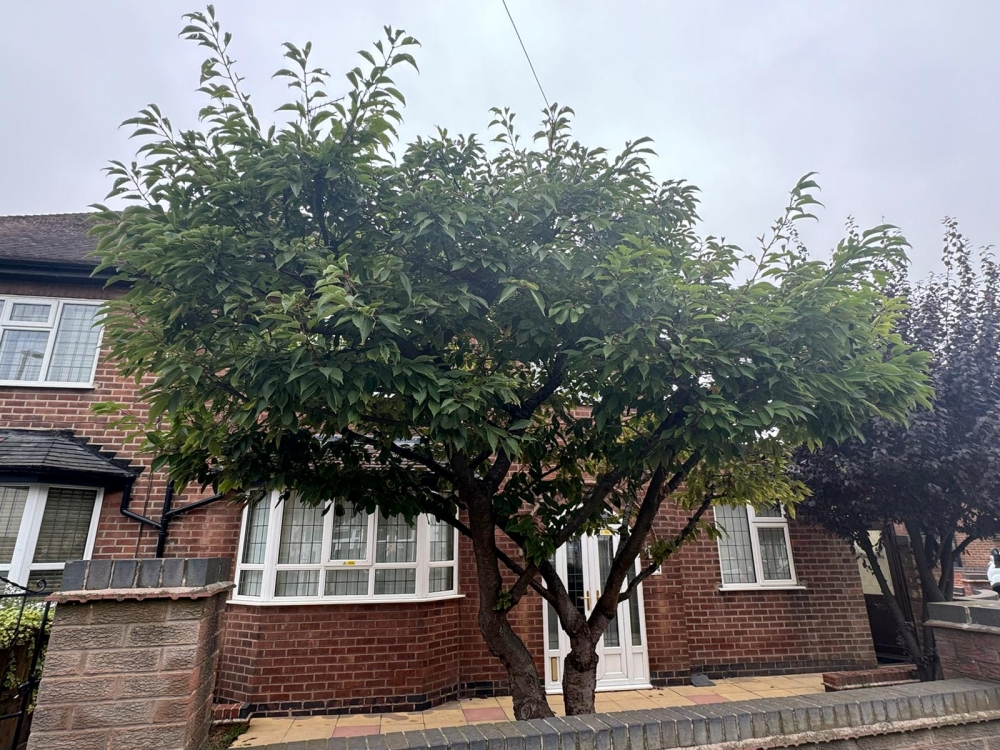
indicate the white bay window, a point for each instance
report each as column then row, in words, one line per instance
column 754, row 549
column 294, row 552
column 42, row 527
column 47, row 341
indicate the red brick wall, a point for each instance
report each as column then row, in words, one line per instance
column 341, row 657
column 729, row 633
column 318, row 658
column 209, row 532
column 350, row 657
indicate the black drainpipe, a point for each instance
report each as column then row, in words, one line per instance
column 168, row 512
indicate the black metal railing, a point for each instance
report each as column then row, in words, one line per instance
column 25, row 618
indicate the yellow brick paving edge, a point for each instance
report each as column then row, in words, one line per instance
column 266, row 731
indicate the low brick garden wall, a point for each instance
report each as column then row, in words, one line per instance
column 132, row 656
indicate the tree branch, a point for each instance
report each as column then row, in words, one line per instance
column 689, row 530
column 495, row 476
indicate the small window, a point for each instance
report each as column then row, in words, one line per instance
column 50, row 341
column 754, row 549
column 42, row 527
column 337, row 552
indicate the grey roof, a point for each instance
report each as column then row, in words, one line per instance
column 55, row 452
column 48, row 238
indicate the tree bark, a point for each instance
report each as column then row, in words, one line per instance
column 525, row 686
column 580, row 676
column 925, row 669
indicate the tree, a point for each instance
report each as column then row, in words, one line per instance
column 939, row 474
column 528, row 342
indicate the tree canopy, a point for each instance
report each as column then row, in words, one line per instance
column 939, row 473
column 528, row 341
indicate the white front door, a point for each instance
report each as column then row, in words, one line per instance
column 583, row 564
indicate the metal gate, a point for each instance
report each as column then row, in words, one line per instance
column 25, row 617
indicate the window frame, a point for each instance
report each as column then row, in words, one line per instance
column 755, row 523
column 270, row 567
column 21, row 566
column 52, row 327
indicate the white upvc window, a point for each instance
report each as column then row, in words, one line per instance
column 48, row 341
column 754, row 548
column 44, row 526
column 291, row 552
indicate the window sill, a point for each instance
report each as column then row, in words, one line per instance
column 292, row 601
column 756, row 587
column 44, row 385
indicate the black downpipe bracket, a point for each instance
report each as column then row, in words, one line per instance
column 166, row 514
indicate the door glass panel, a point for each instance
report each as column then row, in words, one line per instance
column 605, row 553
column 553, row 628
column 574, row 573
column 633, row 612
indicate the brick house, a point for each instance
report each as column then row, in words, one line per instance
column 355, row 612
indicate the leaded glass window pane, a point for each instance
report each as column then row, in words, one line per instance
column 774, row 554
column 396, row 541
column 774, row 511
column 350, row 534
column 256, row 537
column 442, row 540
column 396, row 581
column 441, row 579
column 21, row 354
column 735, row 546
column 250, row 582
column 347, row 582
column 26, row 312
column 12, row 500
column 75, row 346
column 301, row 535
column 296, row 583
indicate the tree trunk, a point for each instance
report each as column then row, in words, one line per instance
column 580, row 677
column 925, row 663
column 525, row 686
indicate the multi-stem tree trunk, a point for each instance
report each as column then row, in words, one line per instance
column 924, row 659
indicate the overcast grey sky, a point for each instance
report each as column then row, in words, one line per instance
column 895, row 104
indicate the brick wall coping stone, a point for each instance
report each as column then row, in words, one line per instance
column 760, row 723
column 973, row 616
column 161, row 573
column 121, row 595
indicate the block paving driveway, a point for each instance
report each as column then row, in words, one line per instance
column 479, row 710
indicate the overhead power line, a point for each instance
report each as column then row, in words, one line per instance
column 526, row 55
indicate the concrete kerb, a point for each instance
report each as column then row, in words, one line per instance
column 761, row 723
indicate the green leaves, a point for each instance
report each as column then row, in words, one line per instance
column 308, row 311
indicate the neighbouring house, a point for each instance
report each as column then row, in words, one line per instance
column 354, row 612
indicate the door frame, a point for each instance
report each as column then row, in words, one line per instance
column 635, row 658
